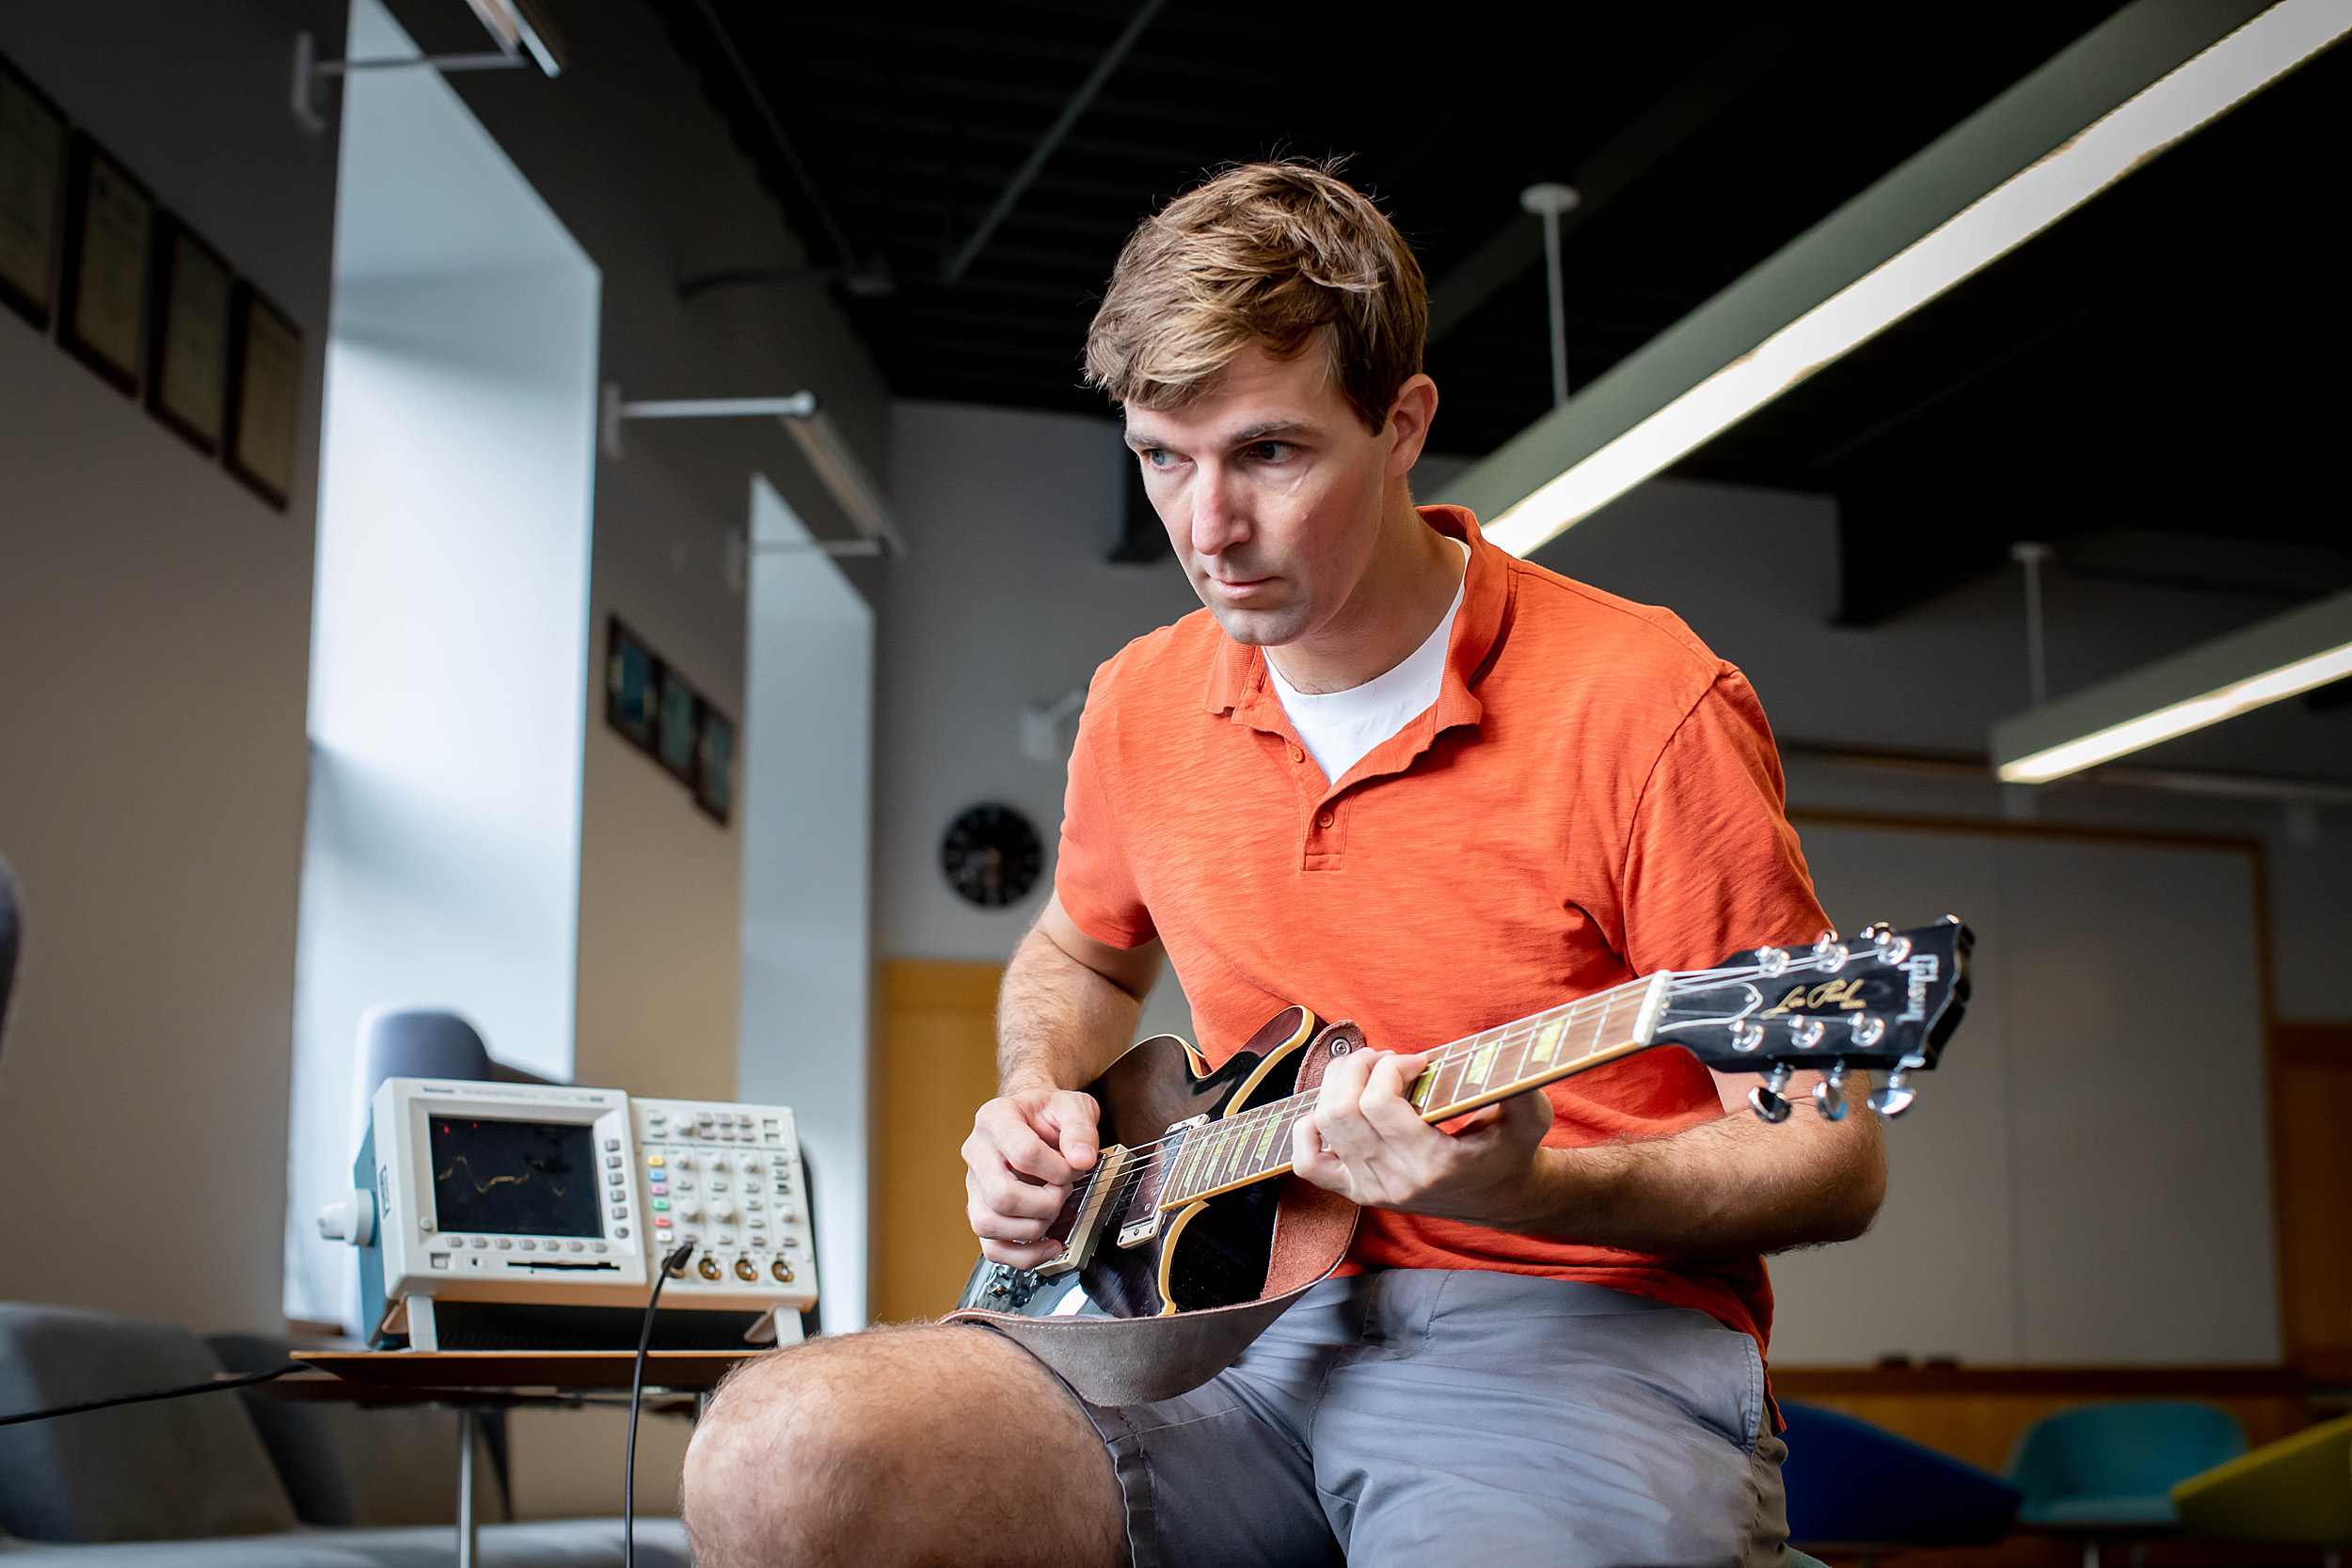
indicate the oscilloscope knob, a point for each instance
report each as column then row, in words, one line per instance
column 723, row 1210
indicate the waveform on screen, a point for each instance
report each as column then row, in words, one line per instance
column 482, row 1187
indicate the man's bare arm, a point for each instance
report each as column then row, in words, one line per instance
column 1065, row 1011
column 1731, row 1186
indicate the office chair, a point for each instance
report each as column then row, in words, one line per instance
column 425, row 1042
column 11, row 925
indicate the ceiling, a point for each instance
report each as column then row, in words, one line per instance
column 2145, row 365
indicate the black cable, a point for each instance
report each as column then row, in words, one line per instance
column 676, row 1261
column 212, row 1387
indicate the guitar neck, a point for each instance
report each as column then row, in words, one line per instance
column 1496, row 1064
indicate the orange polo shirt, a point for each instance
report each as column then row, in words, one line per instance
column 1593, row 795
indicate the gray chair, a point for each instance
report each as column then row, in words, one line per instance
column 11, row 938
column 141, row 1472
column 189, row 1482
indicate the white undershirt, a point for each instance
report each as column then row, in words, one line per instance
column 1338, row 728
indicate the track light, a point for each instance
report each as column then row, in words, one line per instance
column 2061, row 180
column 2293, row 653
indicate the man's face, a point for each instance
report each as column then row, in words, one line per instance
column 1271, row 490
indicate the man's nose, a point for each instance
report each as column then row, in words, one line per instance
column 1216, row 525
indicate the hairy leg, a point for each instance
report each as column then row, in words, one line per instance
column 900, row 1447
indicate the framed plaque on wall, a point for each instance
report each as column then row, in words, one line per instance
column 187, row 371
column 714, row 762
column 109, row 238
column 265, row 393
column 32, row 197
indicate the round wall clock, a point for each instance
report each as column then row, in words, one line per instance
column 990, row 855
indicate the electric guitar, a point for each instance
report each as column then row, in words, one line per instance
column 1186, row 1239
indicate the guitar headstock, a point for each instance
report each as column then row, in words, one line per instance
column 1880, row 999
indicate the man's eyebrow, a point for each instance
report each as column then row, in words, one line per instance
column 1139, row 440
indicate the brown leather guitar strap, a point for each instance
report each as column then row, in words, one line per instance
column 1136, row 1360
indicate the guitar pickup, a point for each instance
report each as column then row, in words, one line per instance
column 1094, row 1209
column 1142, row 1221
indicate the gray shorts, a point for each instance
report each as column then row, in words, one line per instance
column 1433, row 1418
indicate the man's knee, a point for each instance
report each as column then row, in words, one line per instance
column 899, row 1446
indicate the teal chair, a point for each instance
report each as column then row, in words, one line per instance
column 2105, row 1472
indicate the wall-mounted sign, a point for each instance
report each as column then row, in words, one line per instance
column 187, row 372
column 266, row 393
column 32, row 197
column 656, row 709
column 109, row 241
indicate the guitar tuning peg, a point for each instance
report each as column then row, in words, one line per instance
column 1765, row 1100
column 1894, row 1098
column 1829, row 1095
column 1829, row 952
column 1806, row 1033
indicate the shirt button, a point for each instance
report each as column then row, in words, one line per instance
column 1323, row 819
column 1296, row 756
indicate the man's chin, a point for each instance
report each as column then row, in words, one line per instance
column 1261, row 628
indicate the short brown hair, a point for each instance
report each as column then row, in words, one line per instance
column 1280, row 254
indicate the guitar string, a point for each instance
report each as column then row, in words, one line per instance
column 1147, row 1159
column 1144, row 1159
column 1235, row 1133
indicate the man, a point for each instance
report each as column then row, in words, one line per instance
column 1398, row 777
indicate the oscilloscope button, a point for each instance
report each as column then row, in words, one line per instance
column 614, row 1161
column 598, row 1246
column 621, row 1230
column 611, row 1143
column 619, row 1211
column 530, row 1245
column 576, row 1246
column 481, row 1241
column 506, row 1244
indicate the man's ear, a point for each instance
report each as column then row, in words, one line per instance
column 1412, row 412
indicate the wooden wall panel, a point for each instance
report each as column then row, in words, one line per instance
column 2311, row 1137
column 938, row 1065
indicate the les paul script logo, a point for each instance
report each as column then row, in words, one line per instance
column 1845, row 995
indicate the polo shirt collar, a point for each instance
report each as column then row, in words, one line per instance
column 1237, row 674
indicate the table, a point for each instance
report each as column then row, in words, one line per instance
column 471, row 1382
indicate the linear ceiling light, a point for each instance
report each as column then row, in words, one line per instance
column 2216, row 680
column 2199, row 90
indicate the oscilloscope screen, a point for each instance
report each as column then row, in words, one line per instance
column 515, row 1177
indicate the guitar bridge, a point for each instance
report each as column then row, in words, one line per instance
column 1142, row 1221
column 1093, row 1204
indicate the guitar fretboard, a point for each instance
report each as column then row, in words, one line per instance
column 1496, row 1064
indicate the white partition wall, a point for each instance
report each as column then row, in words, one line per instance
column 449, row 652
column 2086, row 1179
column 807, row 866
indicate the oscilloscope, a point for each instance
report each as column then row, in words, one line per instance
column 530, row 1216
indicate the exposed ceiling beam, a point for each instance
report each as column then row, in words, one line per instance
column 1519, row 245
column 955, row 266
column 2028, row 146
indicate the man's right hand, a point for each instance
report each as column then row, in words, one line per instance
column 1025, row 1150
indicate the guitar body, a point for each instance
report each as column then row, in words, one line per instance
column 1211, row 1253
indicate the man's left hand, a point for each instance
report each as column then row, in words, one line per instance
column 1366, row 1142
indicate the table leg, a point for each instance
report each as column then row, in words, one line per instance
column 468, row 1537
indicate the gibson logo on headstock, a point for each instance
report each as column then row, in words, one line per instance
column 1922, row 970
column 1845, row 995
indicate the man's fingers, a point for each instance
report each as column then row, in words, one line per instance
column 1019, row 1146
column 1311, row 1160
column 1019, row 1257
column 1339, row 1115
column 1069, row 1119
